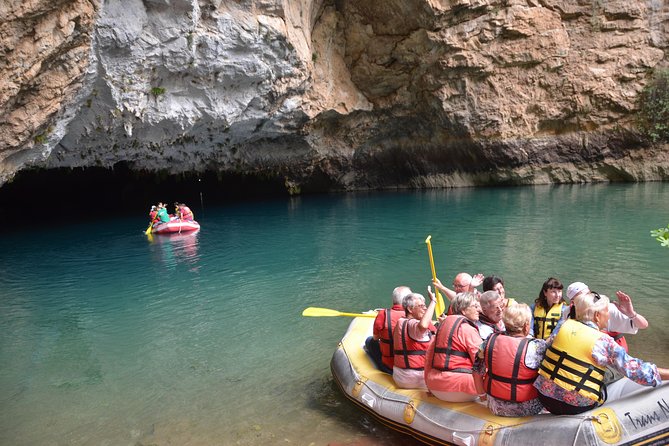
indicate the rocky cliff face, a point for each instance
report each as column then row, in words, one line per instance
column 334, row 94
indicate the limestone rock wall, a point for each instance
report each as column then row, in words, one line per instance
column 334, row 94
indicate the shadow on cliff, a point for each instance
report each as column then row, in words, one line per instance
column 92, row 193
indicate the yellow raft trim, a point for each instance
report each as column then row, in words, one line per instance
column 367, row 370
column 487, row 435
column 606, row 425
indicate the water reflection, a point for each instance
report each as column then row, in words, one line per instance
column 172, row 249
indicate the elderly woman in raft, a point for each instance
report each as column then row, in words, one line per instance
column 411, row 338
column 571, row 375
column 449, row 360
column 507, row 365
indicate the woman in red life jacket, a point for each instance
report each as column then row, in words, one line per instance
column 411, row 337
column 507, row 365
column 184, row 212
column 449, row 360
column 380, row 345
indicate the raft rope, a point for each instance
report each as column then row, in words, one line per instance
column 583, row 418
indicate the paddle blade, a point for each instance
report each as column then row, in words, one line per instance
column 319, row 312
column 326, row 312
column 148, row 230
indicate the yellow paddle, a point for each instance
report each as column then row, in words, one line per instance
column 320, row 312
column 440, row 300
column 148, row 230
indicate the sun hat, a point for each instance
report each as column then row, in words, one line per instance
column 575, row 288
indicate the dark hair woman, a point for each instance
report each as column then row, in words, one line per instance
column 548, row 308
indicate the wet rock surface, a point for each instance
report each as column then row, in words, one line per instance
column 333, row 95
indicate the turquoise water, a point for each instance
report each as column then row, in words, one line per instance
column 109, row 338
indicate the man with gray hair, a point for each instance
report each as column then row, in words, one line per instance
column 490, row 319
column 380, row 345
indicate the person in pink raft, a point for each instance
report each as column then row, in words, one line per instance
column 450, row 357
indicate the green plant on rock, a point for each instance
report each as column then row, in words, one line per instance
column 653, row 119
column 157, row 91
column 661, row 235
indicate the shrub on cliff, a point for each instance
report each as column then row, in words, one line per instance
column 654, row 107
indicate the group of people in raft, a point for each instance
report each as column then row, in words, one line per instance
column 565, row 357
column 158, row 213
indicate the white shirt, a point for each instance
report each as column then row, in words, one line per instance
column 486, row 330
column 620, row 323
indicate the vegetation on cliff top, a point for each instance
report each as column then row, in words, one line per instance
column 653, row 119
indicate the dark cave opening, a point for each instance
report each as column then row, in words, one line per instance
column 90, row 193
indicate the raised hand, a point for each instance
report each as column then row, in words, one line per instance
column 624, row 304
column 477, row 280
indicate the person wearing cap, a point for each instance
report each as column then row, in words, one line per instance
column 622, row 317
column 548, row 309
column 380, row 345
column 572, row 374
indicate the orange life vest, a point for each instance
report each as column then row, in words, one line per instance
column 386, row 343
column 449, row 354
column 508, row 378
column 409, row 353
column 185, row 213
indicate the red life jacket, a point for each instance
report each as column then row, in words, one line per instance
column 386, row 343
column 409, row 353
column 508, row 378
column 186, row 213
column 449, row 354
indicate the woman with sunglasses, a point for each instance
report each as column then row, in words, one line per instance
column 571, row 376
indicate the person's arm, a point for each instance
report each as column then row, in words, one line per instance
column 477, row 280
column 450, row 294
column 379, row 324
column 625, row 306
column 664, row 373
column 479, row 369
column 532, row 320
column 606, row 352
column 426, row 320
